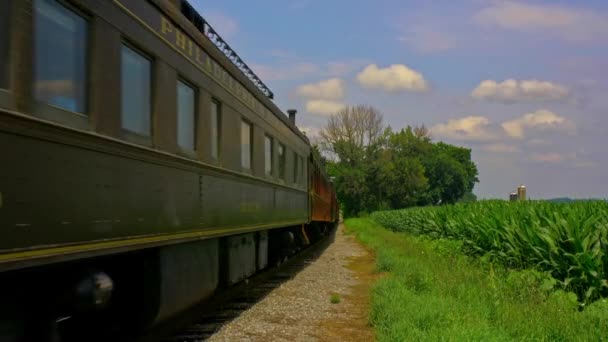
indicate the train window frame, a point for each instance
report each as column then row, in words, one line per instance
column 296, row 167
column 54, row 112
column 216, row 130
column 5, row 42
column 302, row 168
column 195, row 117
column 129, row 135
column 249, row 125
column 282, row 160
column 268, row 157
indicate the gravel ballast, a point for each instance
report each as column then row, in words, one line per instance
column 301, row 309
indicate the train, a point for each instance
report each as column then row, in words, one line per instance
column 143, row 166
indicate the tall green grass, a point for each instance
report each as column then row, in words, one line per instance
column 430, row 291
column 568, row 241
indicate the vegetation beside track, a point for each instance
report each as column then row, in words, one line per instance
column 432, row 291
column 566, row 241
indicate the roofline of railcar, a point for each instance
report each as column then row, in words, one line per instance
column 172, row 8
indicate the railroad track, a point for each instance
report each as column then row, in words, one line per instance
column 202, row 321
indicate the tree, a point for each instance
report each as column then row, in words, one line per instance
column 463, row 156
column 423, row 133
column 447, row 179
column 350, row 131
column 376, row 168
column 469, row 197
column 351, row 138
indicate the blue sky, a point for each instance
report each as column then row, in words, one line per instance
column 522, row 83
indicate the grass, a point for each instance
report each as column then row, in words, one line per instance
column 567, row 241
column 335, row 299
column 432, row 292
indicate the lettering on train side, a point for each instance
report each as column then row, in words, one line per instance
column 174, row 36
column 180, row 40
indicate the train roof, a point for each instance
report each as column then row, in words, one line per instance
column 229, row 59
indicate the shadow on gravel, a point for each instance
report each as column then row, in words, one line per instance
column 199, row 323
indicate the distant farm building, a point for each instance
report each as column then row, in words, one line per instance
column 520, row 195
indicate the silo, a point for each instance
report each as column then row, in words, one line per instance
column 513, row 197
column 521, row 193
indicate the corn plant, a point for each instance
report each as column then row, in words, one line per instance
column 567, row 240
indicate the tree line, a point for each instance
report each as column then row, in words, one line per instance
column 377, row 168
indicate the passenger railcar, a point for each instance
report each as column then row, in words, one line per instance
column 143, row 166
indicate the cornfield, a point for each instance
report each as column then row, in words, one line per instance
column 568, row 241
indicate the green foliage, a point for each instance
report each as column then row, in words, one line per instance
column 335, row 299
column 469, row 197
column 399, row 170
column 567, row 241
column 432, row 292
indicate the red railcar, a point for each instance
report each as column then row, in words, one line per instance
column 324, row 203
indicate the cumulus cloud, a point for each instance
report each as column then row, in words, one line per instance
column 467, row 128
column 310, row 131
column 288, row 66
column 323, row 107
column 340, row 68
column 541, row 119
column 520, row 91
column 565, row 22
column 500, row 148
column 552, row 157
column 331, row 89
column 394, row 78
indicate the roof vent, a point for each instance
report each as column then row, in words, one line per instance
column 292, row 115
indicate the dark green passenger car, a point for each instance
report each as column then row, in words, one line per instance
column 139, row 154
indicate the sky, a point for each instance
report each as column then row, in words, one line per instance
column 522, row 83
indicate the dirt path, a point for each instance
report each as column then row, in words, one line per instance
column 300, row 309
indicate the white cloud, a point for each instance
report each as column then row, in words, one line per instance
column 289, row 67
column 394, row 78
column 500, row 148
column 467, row 128
column 541, row 119
column 564, row 22
column 224, row 25
column 520, row 91
column 323, row 107
column 538, row 142
column 331, row 89
column 552, row 157
column 584, row 164
column 341, row 68
column 310, row 131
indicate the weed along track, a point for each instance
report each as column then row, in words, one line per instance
column 431, row 290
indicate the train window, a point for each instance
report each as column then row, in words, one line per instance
column 246, row 144
column 281, row 161
column 301, row 168
column 186, row 116
column 268, row 149
column 296, row 168
column 4, row 39
column 136, row 90
column 215, row 128
column 60, row 60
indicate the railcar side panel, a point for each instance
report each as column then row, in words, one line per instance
column 55, row 193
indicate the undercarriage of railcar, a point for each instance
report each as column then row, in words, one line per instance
column 122, row 295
